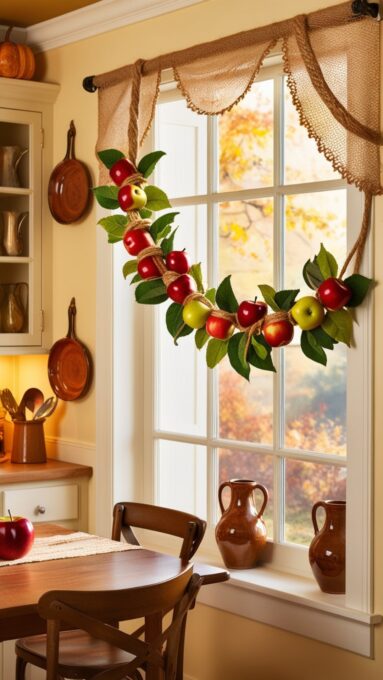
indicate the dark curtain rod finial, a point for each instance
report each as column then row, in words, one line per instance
column 88, row 84
column 364, row 8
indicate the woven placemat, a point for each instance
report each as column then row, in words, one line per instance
column 60, row 547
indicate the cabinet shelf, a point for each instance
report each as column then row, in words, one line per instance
column 9, row 259
column 15, row 191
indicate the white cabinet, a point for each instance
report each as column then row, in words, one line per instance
column 26, row 133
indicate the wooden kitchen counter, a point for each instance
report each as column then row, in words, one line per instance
column 17, row 473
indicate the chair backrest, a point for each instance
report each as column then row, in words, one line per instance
column 155, row 518
column 92, row 610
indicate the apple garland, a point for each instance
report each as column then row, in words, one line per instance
column 246, row 332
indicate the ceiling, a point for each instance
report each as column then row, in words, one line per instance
column 24, row 13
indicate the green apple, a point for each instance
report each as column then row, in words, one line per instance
column 195, row 314
column 308, row 313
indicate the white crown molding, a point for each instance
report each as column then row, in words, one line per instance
column 101, row 17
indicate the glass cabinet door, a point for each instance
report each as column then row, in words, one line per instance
column 20, row 228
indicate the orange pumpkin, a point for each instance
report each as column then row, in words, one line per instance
column 16, row 61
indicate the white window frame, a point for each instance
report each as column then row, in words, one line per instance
column 267, row 594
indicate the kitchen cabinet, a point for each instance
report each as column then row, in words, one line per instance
column 54, row 491
column 26, row 141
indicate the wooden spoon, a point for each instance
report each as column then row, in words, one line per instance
column 32, row 398
column 9, row 402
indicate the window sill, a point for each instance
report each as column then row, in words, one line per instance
column 296, row 604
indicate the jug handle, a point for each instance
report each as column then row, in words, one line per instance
column 20, row 157
column 23, row 216
column 19, row 288
column 265, row 498
column 221, row 488
column 315, row 507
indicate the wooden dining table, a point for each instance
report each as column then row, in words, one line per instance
column 23, row 584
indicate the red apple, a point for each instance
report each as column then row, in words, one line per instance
column 251, row 311
column 278, row 333
column 177, row 261
column 333, row 294
column 179, row 289
column 136, row 240
column 219, row 328
column 147, row 268
column 122, row 169
column 131, row 197
column 16, row 537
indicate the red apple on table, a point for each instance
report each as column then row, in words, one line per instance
column 251, row 311
column 333, row 294
column 136, row 240
column 122, row 169
column 131, row 197
column 219, row 328
column 178, row 261
column 278, row 333
column 147, row 268
column 16, row 537
column 180, row 288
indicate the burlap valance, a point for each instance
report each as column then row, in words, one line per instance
column 331, row 59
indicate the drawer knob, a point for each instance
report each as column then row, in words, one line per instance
column 40, row 510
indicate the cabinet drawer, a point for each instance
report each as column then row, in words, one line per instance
column 43, row 504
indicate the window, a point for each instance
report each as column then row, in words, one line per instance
column 169, row 405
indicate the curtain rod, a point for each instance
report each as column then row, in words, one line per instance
column 359, row 8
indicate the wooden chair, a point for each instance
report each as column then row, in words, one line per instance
column 99, row 649
column 165, row 520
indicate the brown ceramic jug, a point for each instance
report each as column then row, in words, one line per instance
column 327, row 553
column 28, row 442
column 241, row 531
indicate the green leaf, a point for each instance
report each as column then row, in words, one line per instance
column 175, row 323
column 225, row 297
column 269, row 296
column 113, row 239
column 264, row 364
column 327, row 263
column 259, row 348
column 236, row 352
column 106, row 196
column 149, row 162
column 201, row 337
column 158, row 226
column 286, row 298
column 110, row 156
column 129, row 267
column 157, row 199
column 312, row 274
column 312, row 349
column 338, row 325
column 168, row 243
column 195, row 272
column 323, row 339
column 151, row 292
column 210, row 295
column 215, row 352
column 359, row 286
column 136, row 279
column 115, row 226
column 145, row 213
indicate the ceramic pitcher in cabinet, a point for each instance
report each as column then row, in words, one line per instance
column 12, row 240
column 10, row 157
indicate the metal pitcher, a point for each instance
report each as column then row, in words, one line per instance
column 10, row 157
column 12, row 223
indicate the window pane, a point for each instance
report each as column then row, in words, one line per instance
column 181, row 477
column 312, row 219
column 307, row 483
column 246, row 141
column 246, row 252
column 181, row 133
column 303, row 161
column 315, row 402
column 181, row 403
column 245, row 408
column 248, row 465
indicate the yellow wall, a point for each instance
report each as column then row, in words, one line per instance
column 220, row 645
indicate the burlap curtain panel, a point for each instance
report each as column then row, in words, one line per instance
column 331, row 59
